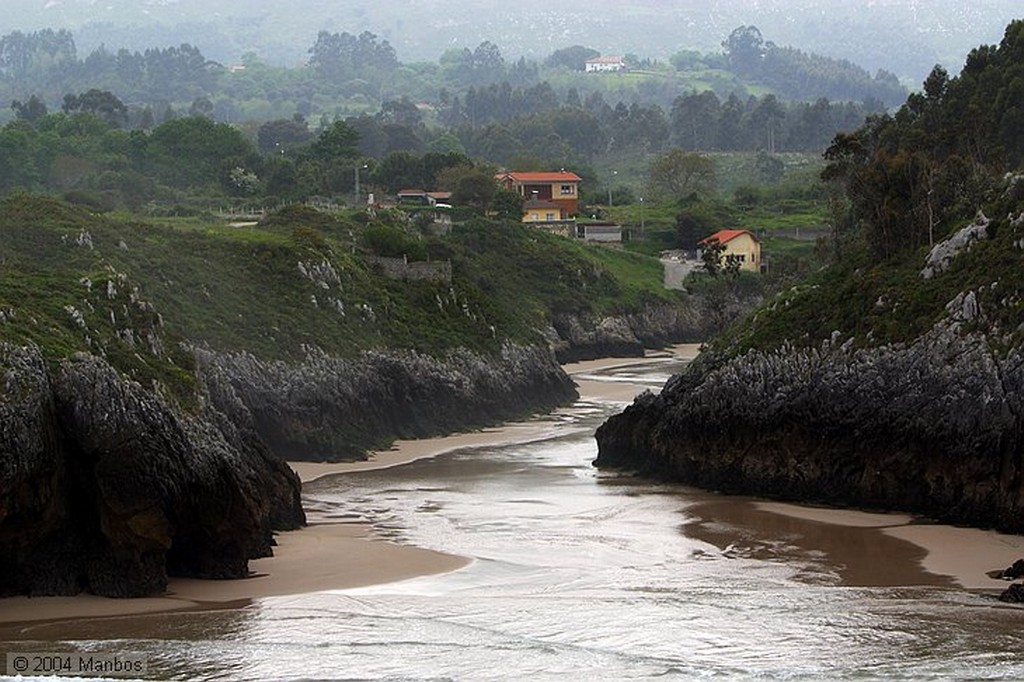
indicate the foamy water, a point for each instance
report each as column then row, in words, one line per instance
column 584, row 575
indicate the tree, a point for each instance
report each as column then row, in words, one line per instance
column 399, row 170
column 768, row 116
column 508, row 204
column 196, row 152
column 745, row 49
column 677, row 174
column 282, row 134
column 32, row 110
column 475, row 187
column 711, row 256
column 340, row 57
column 697, row 219
column 435, row 163
column 337, row 142
column 100, row 103
column 401, row 112
column 201, row 106
column 695, row 120
column 573, row 58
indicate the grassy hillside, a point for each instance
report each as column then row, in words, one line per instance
column 882, row 301
column 134, row 290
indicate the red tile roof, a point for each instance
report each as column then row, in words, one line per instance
column 726, row 236
column 543, row 176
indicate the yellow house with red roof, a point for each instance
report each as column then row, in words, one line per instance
column 547, row 195
column 739, row 246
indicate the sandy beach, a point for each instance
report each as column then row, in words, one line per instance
column 332, row 555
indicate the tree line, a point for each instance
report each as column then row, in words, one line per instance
column 908, row 178
column 347, row 75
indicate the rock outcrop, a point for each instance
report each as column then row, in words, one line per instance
column 575, row 337
column 329, row 408
column 105, row 488
column 934, row 427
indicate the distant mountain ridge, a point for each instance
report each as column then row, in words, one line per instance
column 906, row 38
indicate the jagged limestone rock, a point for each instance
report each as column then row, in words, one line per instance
column 104, row 487
column 329, row 408
column 942, row 254
column 933, row 427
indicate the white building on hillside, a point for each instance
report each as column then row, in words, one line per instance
column 605, row 64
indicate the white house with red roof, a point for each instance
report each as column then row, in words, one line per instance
column 597, row 64
column 739, row 246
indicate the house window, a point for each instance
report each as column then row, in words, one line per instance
column 551, row 216
column 568, row 189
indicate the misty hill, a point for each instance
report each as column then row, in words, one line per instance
column 906, row 38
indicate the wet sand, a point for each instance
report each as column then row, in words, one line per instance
column 963, row 556
column 406, row 451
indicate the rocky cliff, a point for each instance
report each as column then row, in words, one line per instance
column 575, row 337
column 933, row 427
column 105, row 488
column 329, row 408
column 914, row 400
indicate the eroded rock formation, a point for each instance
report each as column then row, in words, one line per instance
column 935, row 427
column 329, row 408
column 105, row 488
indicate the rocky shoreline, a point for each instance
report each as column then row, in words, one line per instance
column 108, row 488
column 575, row 337
column 935, row 427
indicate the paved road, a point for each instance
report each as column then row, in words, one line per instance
column 676, row 271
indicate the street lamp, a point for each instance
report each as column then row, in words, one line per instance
column 364, row 167
column 641, row 217
column 614, row 173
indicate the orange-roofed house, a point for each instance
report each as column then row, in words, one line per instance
column 555, row 194
column 740, row 246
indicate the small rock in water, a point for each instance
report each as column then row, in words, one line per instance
column 1014, row 594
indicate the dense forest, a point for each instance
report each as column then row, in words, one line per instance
column 129, row 127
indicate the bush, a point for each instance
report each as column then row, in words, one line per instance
column 392, row 242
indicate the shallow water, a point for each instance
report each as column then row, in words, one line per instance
column 581, row 574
